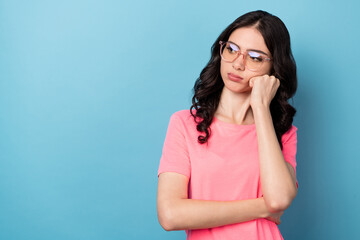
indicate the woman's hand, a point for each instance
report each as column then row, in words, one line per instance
column 263, row 90
column 274, row 217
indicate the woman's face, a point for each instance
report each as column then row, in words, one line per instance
column 247, row 38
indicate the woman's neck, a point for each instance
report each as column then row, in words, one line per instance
column 235, row 108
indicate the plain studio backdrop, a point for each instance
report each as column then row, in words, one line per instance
column 87, row 89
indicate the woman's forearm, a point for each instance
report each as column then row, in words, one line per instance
column 199, row 214
column 276, row 181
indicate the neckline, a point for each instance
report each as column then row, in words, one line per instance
column 232, row 125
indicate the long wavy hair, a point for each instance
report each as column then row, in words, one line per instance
column 208, row 87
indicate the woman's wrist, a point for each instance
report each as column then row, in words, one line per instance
column 264, row 212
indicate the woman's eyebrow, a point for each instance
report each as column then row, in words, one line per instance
column 259, row 51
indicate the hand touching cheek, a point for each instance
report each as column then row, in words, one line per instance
column 263, row 90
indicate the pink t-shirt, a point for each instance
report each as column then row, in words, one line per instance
column 224, row 170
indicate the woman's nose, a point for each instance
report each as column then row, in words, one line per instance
column 239, row 62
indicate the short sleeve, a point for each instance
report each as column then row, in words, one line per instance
column 289, row 141
column 175, row 154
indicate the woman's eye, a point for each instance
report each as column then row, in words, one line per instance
column 230, row 49
column 256, row 57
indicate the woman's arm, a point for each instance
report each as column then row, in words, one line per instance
column 177, row 212
column 278, row 182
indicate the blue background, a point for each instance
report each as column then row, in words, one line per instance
column 87, row 89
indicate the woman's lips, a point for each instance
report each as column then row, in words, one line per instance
column 234, row 77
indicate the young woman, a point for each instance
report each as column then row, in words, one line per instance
column 228, row 167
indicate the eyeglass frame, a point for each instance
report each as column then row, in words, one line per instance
column 241, row 53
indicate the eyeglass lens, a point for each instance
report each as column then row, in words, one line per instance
column 230, row 52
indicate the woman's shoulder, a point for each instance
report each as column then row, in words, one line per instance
column 184, row 114
column 291, row 132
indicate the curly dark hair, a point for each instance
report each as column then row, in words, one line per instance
column 208, row 87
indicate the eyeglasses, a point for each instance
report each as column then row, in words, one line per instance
column 253, row 60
